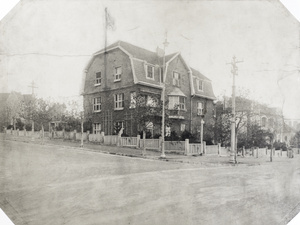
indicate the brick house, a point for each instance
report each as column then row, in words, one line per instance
column 109, row 91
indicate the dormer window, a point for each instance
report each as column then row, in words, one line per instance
column 98, row 79
column 118, row 73
column 200, row 85
column 150, row 72
column 176, row 79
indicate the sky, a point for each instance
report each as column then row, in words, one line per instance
column 51, row 42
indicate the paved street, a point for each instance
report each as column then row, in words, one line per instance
column 58, row 185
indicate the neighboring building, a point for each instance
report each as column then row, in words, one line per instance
column 10, row 108
column 113, row 79
column 268, row 118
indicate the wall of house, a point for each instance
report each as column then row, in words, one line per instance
column 209, row 117
column 115, row 58
column 178, row 65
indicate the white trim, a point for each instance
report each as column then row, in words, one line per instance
column 133, row 70
column 150, row 85
column 146, row 68
column 204, row 96
column 97, row 84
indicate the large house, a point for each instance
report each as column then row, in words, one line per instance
column 115, row 76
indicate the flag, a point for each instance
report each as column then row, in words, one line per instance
column 110, row 21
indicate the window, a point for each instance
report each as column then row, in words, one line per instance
column 96, row 128
column 119, row 101
column 199, row 108
column 168, row 131
column 176, row 79
column 151, row 101
column 132, row 100
column 181, row 103
column 150, row 72
column 177, row 102
column 118, row 126
column 200, row 85
column 118, row 73
column 182, row 127
column 98, row 79
column 97, row 104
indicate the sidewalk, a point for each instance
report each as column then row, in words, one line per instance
column 206, row 160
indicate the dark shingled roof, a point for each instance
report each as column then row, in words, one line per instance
column 155, row 59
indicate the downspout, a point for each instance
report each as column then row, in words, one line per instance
column 191, row 114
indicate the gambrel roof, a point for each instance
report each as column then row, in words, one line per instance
column 141, row 57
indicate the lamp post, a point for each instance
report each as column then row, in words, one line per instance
column 163, row 103
column 201, row 134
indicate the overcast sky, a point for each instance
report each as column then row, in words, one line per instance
column 50, row 42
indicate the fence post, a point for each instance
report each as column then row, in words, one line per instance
column 280, row 152
column 243, row 151
column 252, row 149
column 256, row 152
column 144, row 143
column 186, row 146
column 138, row 138
column 219, row 149
column 204, row 147
column 271, row 154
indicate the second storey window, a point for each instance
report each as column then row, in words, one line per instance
column 176, row 79
column 98, row 79
column 119, row 101
column 150, row 72
column 199, row 108
column 118, row 73
column 200, row 85
column 132, row 100
column 97, row 104
column 177, row 102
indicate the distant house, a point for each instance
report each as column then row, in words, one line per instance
column 113, row 79
column 10, row 108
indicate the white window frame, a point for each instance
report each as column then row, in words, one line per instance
column 117, row 74
column 151, row 101
column 97, row 104
column 181, row 104
column 98, row 79
column 176, row 104
column 119, row 101
column 182, row 127
column 176, row 79
column 200, row 87
column 132, row 100
column 96, row 128
column 147, row 72
column 199, row 108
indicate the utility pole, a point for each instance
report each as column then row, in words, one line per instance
column 166, row 43
column 32, row 86
column 234, row 71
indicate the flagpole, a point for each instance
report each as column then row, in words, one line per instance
column 105, row 46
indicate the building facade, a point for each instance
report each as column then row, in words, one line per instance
column 114, row 78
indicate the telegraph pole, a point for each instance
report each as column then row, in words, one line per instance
column 166, row 43
column 32, row 86
column 234, row 71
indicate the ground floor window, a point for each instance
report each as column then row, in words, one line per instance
column 182, row 127
column 168, row 131
column 96, row 128
column 118, row 126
